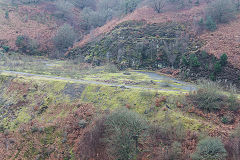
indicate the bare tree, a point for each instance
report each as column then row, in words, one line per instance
column 158, row 5
column 237, row 4
column 176, row 48
column 169, row 50
column 222, row 11
column 64, row 37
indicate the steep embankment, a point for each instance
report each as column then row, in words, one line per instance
column 31, row 21
column 138, row 44
column 224, row 40
column 149, row 16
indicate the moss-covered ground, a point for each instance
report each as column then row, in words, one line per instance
column 42, row 100
column 24, row 99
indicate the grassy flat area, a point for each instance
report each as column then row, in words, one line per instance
column 100, row 74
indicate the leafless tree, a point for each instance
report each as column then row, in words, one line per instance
column 176, row 48
column 237, row 4
column 158, row 5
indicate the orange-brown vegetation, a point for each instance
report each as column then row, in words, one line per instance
column 22, row 21
column 148, row 15
column 224, row 40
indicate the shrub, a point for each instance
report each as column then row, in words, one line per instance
column 27, row 45
column 124, row 131
column 204, row 54
column 228, row 118
column 208, row 97
column 223, row 59
column 217, row 67
column 210, row 24
column 194, row 61
column 175, row 151
column 233, row 102
column 222, row 11
column 6, row 48
column 7, row 15
column 210, row 149
column 212, row 77
column 185, row 61
column 169, row 131
column 233, row 144
column 64, row 37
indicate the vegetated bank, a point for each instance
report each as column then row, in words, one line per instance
column 139, row 45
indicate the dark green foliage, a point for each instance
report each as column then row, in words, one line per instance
column 217, row 67
column 124, row 131
column 204, row 54
column 210, row 24
column 197, row 2
column 212, row 76
column 7, row 15
column 185, row 61
column 27, row 45
column 201, row 24
column 210, row 149
column 228, row 118
column 193, row 60
column 6, row 48
column 223, row 59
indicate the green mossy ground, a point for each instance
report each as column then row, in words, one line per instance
column 40, row 97
column 46, row 99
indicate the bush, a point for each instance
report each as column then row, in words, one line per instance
column 64, row 37
column 7, row 15
column 185, row 61
column 223, row 59
column 27, row 45
column 208, row 97
column 210, row 149
column 228, row 118
column 233, row 144
column 210, row 24
column 222, row 11
column 194, row 61
column 168, row 131
column 6, row 48
column 217, row 67
column 124, row 132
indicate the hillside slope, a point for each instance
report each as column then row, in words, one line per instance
column 148, row 15
column 26, row 20
column 226, row 39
